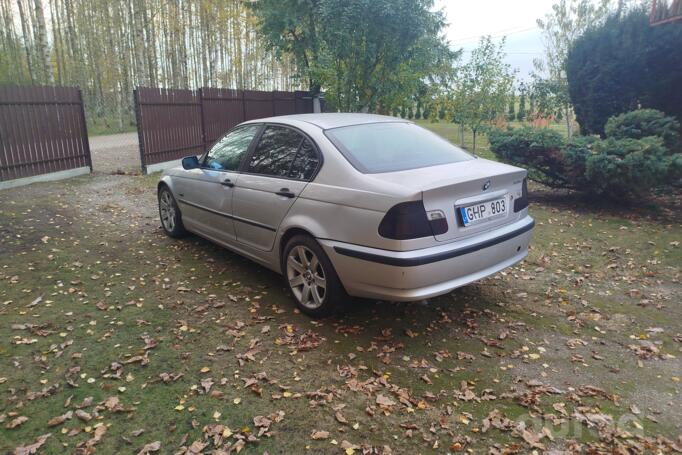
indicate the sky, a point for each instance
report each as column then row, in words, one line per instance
column 515, row 19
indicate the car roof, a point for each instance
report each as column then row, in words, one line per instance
column 326, row 121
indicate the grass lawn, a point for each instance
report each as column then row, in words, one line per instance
column 115, row 337
column 451, row 132
column 100, row 126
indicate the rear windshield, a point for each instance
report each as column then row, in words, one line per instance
column 387, row 147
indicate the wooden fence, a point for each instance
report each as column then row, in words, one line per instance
column 42, row 132
column 175, row 123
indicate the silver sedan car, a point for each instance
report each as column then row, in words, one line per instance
column 351, row 204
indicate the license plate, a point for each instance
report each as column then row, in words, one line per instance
column 484, row 211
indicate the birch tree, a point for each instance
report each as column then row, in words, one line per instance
column 108, row 47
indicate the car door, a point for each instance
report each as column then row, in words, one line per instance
column 273, row 175
column 205, row 193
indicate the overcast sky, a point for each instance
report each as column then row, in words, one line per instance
column 515, row 19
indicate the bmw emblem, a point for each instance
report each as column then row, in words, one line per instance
column 486, row 185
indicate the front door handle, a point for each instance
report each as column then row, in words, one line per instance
column 285, row 192
column 227, row 182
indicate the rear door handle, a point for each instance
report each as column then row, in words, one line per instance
column 227, row 182
column 285, row 192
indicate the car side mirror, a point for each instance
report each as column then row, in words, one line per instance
column 190, row 162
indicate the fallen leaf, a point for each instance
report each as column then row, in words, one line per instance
column 32, row 448
column 35, row 302
column 151, row 447
column 84, row 416
column 319, row 435
column 340, row 418
column 54, row 421
column 16, row 422
column 384, row 401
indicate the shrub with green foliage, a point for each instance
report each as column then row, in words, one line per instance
column 538, row 149
column 622, row 64
column 635, row 160
column 644, row 123
column 575, row 154
column 627, row 166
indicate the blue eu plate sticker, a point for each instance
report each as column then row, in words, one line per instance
column 465, row 218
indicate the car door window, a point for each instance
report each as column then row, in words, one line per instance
column 227, row 153
column 306, row 162
column 275, row 152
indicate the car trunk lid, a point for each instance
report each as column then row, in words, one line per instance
column 448, row 187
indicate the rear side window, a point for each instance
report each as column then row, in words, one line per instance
column 283, row 152
column 305, row 163
column 275, row 152
column 393, row 146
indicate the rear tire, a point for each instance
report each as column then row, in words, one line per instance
column 311, row 278
column 169, row 213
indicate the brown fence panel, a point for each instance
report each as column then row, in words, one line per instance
column 258, row 104
column 304, row 102
column 42, row 130
column 168, row 124
column 222, row 109
column 284, row 103
column 173, row 123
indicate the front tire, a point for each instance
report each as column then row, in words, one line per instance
column 169, row 213
column 312, row 278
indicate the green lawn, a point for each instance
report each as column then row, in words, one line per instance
column 99, row 126
column 451, row 132
column 132, row 338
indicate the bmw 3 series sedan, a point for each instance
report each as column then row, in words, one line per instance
column 351, row 204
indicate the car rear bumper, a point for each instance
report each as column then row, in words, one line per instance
column 420, row 274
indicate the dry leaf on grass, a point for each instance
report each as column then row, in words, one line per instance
column 58, row 420
column 32, row 448
column 384, row 401
column 149, row 448
column 16, row 422
column 319, row 434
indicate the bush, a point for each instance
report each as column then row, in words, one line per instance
column 644, row 123
column 537, row 149
column 632, row 162
column 622, row 64
column 622, row 167
column 575, row 155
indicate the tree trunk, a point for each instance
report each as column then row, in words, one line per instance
column 569, row 125
column 152, row 68
column 43, row 49
column 56, row 40
column 75, row 54
column 138, row 20
column 27, row 43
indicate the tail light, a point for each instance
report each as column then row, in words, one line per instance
column 522, row 202
column 409, row 220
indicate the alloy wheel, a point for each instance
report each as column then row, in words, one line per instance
column 306, row 277
column 167, row 208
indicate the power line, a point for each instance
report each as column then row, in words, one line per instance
column 504, row 32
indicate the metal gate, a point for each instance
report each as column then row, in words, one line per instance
column 43, row 135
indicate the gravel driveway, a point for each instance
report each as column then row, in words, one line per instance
column 115, row 153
